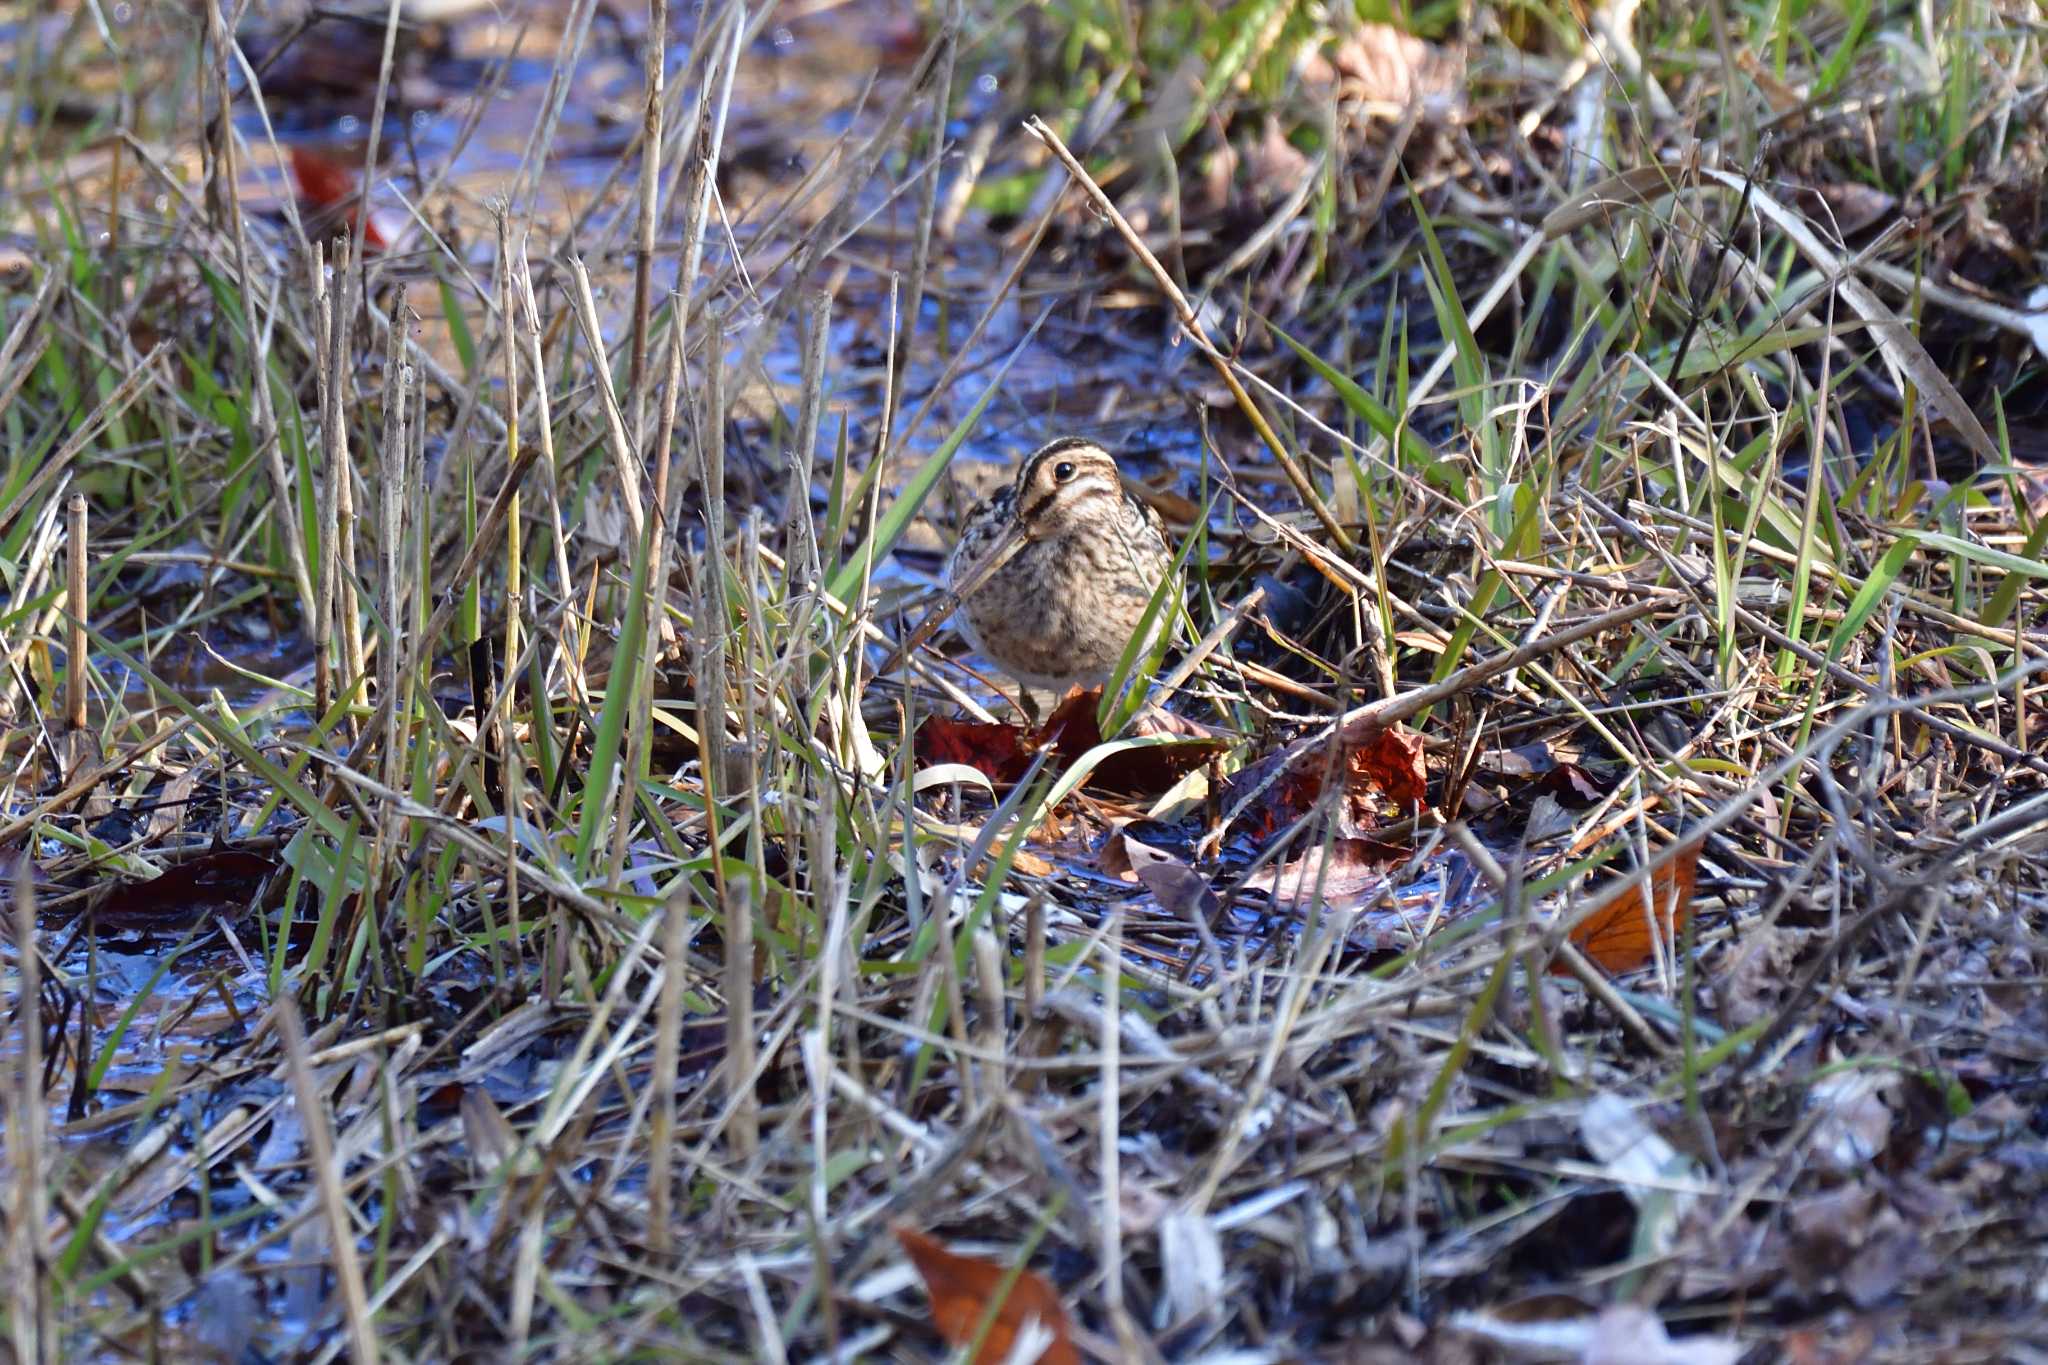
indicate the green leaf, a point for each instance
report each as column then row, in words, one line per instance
column 458, row 329
column 1414, row 451
column 1871, row 593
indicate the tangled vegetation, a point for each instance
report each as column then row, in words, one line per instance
column 480, row 886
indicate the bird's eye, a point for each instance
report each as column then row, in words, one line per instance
column 1063, row 471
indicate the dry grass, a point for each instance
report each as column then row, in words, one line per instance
column 557, row 948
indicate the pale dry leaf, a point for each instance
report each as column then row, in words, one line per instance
column 1751, row 983
column 1641, row 1162
column 1784, row 99
column 1380, row 64
column 1894, row 1257
column 1348, row 875
column 1828, row 1230
column 228, row 1313
column 1274, row 167
column 1855, row 1122
column 1180, row 890
column 1628, row 1334
column 1849, row 207
column 1141, row 1208
column 1191, row 1255
column 2037, row 319
column 485, row 1132
column 1535, row 1327
column 17, row 268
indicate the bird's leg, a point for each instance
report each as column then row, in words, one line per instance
column 1027, row 706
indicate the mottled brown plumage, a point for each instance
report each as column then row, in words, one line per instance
column 1054, row 572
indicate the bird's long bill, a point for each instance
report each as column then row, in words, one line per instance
column 978, row 573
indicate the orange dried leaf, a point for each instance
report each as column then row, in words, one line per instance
column 1378, row 761
column 962, row 1288
column 1618, row 938
column 326, row 183
column 1392, row 761
column 323, row 182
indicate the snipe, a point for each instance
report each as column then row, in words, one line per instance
column 1053, row 573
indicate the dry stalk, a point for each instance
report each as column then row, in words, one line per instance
column 75, row 600
column 341, row 1232
column 668, row 1032
column 29, row 1304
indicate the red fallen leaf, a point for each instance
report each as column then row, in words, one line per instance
column 1003, row 752
column 327, row 184
column 213, row 883
column 446, row 1095
column 1618, row 938
column 963, row 1287
column 1072, row 731
column 1392, row 761
column 1384, row 760
column 322, row 183
column 903, row 40
column 998, row 751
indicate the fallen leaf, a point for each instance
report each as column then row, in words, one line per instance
column 1349, row 874
column 227, row 1314
column 1749, row 983
column 17, row 268
column 1855, row 1123
column 328, row 185
column 1618, row 937
column 1847, row 207
column 1833, row 1343
column 1380, row 63
column 963, row 1287
column 1181, row 891
column 996, row 750
column 1828, row 1228
column 1784, row 99
column 1072, row 731
column 1274, row 167
column 1523, row 760
column 323, row 182
column 1557, row 1327
column 216, row 882
column 1629, row 1334
column 1572, row 786
column 1003, row 752
column 1191, row 1263
column 1384, row 761
column 1640, row 1162
column 2036, row 318
column 1392, row 761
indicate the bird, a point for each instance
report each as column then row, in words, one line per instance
column 1053, row 573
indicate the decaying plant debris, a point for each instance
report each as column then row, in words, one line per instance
column 1574, row 891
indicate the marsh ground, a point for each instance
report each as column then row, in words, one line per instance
column 1580, row 894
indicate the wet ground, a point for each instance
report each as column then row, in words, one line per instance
column 470, row 89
